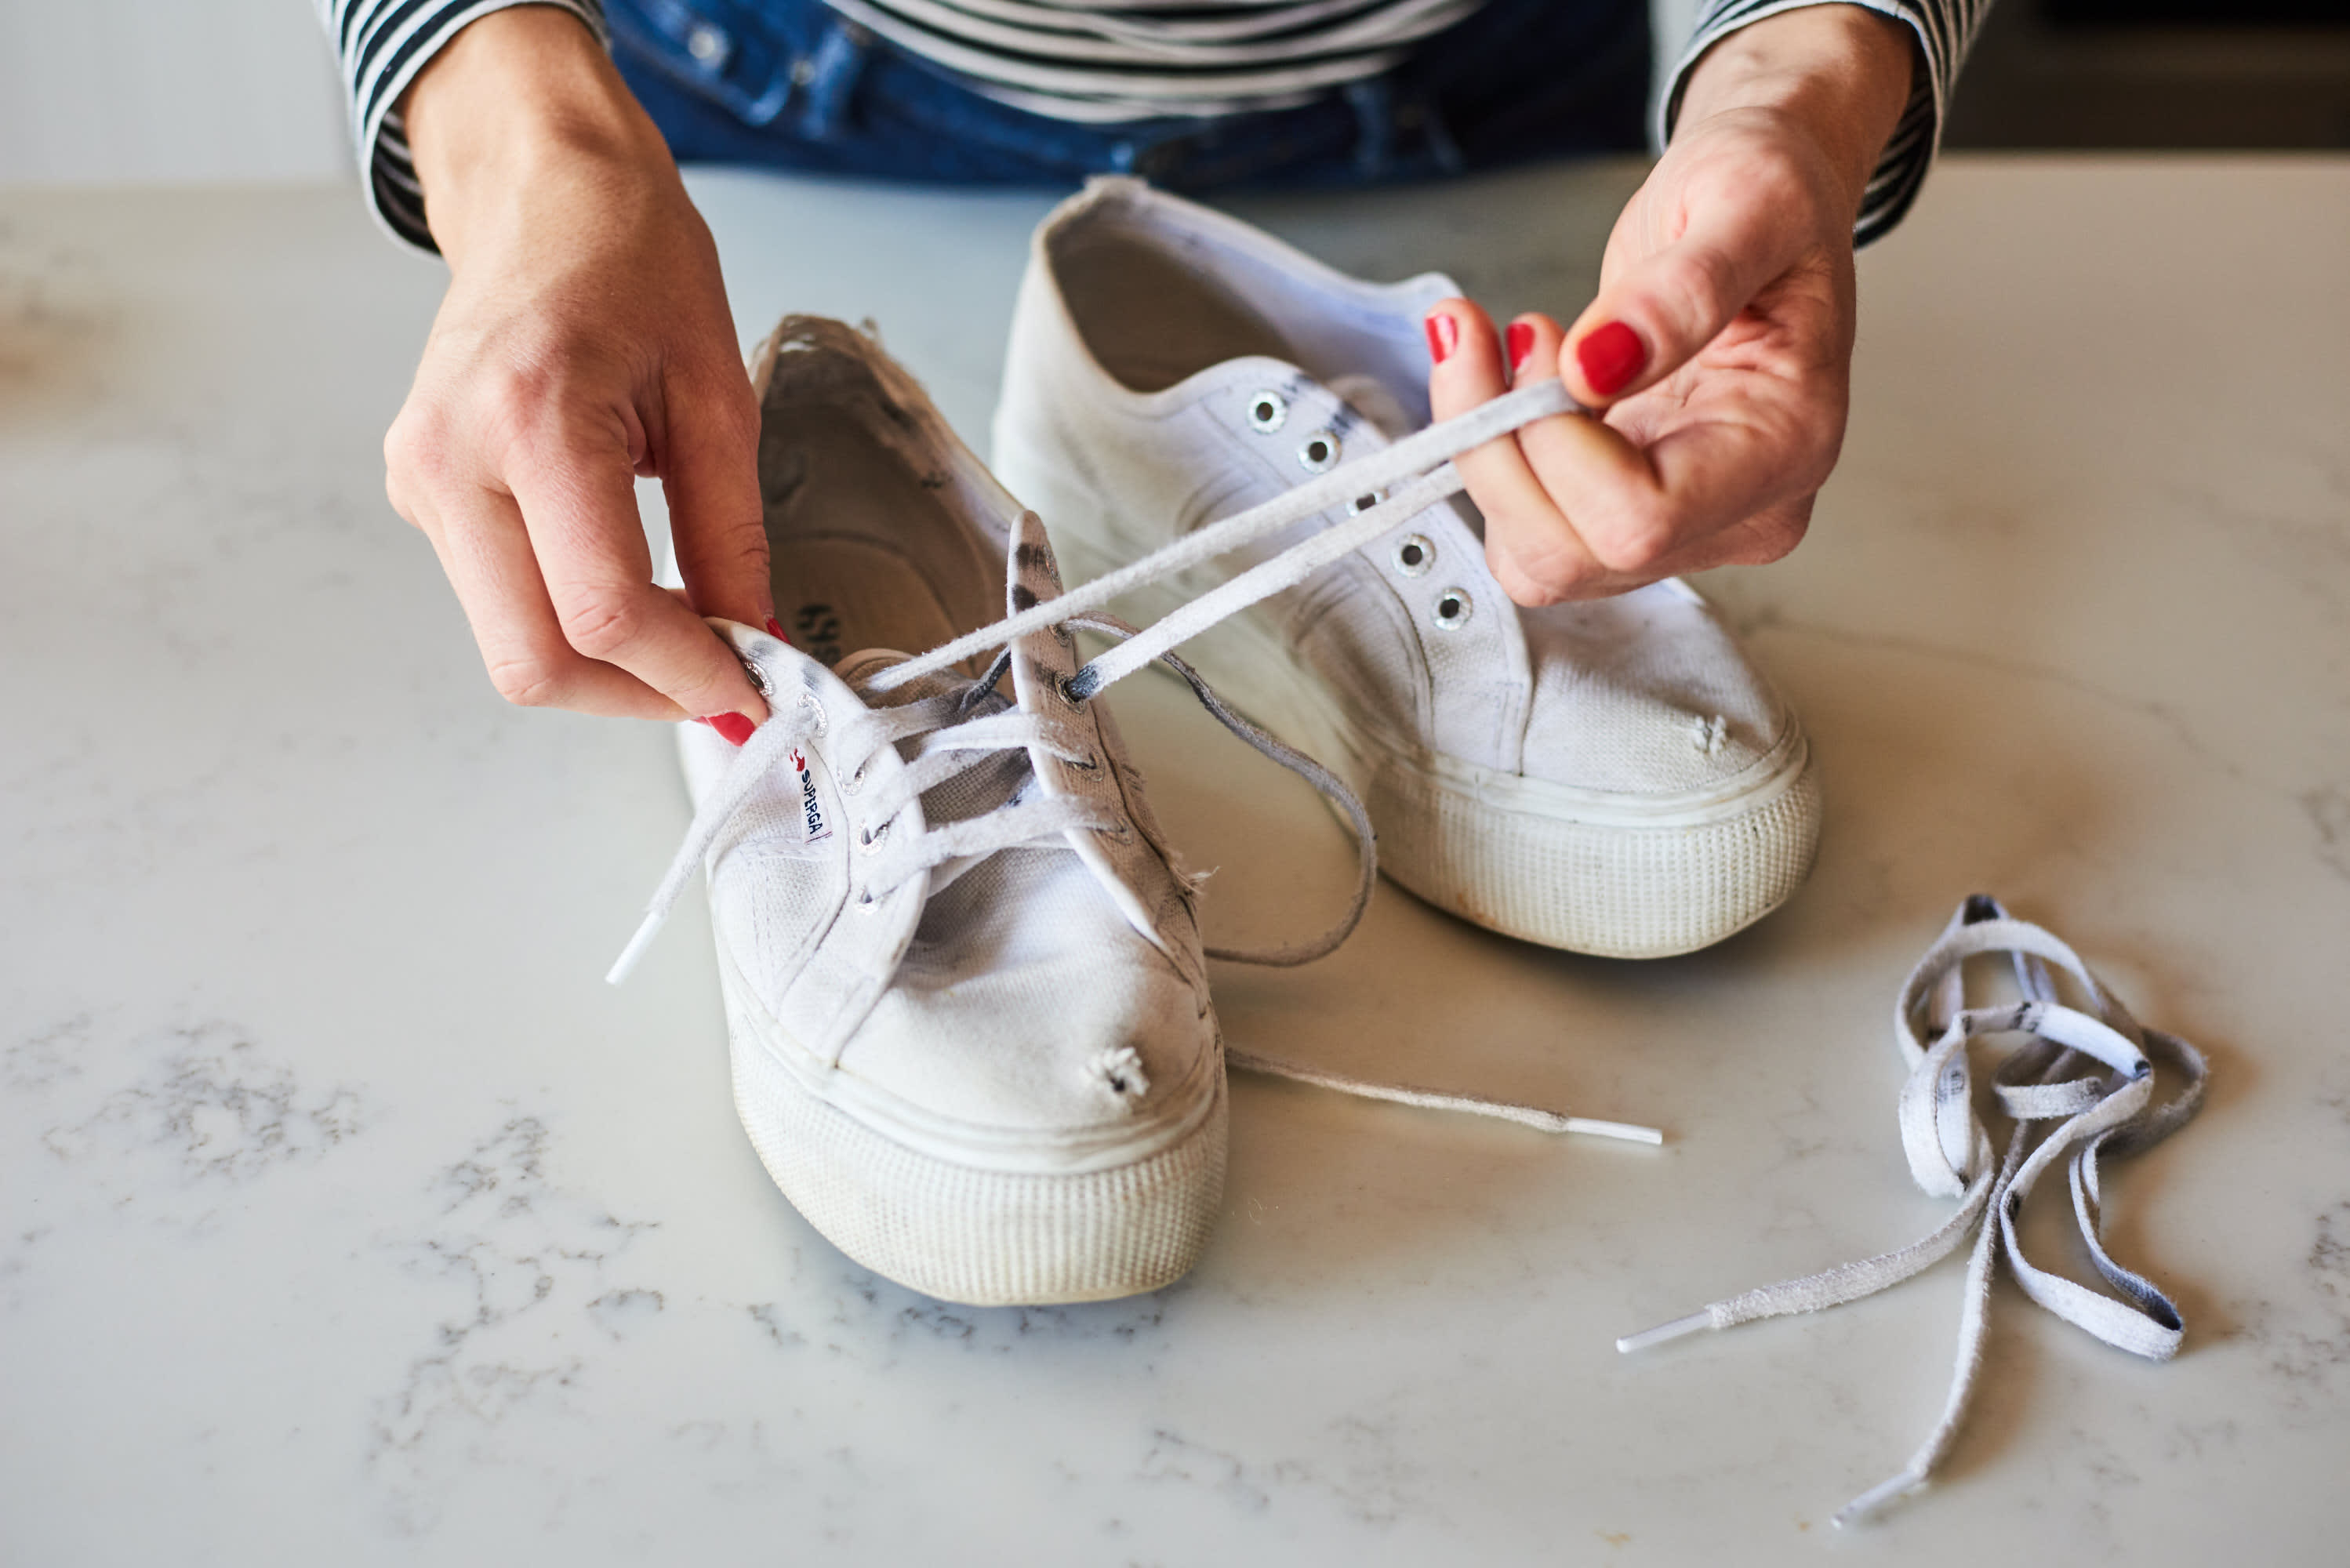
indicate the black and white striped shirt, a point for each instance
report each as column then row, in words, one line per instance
column 1118, row 60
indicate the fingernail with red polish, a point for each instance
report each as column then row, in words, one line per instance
column 1443, row 337
column 775, row 631
column 1611, row 357
column 1521, row 343
column 734, row 727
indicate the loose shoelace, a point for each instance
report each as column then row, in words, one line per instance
column 2091, row 1073
column 948, row 741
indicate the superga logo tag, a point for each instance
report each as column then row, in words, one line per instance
column 811, row 813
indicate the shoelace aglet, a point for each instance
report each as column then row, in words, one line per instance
column 1876, row 1496
column 1431, row 1099
column 1629, row 1132
column 1663, row 1332
column 627, row 962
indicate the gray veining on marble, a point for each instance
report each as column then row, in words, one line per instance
column 345, row 1216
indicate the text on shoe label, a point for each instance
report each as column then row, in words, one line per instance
column 811, row 813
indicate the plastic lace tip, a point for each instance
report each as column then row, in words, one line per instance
column 1625, row 1131
column 627, row 962
column 1876, row 1498
column 1663, row 1332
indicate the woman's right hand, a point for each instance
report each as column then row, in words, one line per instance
column 585, row 339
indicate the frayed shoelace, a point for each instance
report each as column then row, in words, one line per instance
column 1419, row 469
column 2091, row 1073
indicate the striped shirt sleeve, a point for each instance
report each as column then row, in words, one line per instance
column 1945, row 30
column 382, row 44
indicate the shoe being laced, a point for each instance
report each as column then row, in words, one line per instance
column 965, row 986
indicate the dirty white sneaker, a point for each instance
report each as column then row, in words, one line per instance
column 965, row 987
column 1612, row 778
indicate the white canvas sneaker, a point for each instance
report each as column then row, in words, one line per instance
column 1614, row 777
column 969, row 1010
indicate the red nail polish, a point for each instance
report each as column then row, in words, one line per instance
column 775, row 631
column 1521, row 342
column 1443, row 337
column 735, row 728
column 1611, row 357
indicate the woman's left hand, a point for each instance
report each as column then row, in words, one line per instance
column 1719, row 346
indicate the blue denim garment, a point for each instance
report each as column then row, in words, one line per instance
column 791, row 84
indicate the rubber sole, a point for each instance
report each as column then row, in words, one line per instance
column 963, row 1234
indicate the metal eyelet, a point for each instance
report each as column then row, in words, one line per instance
column 866, row 902
column 1414, row 555
column 1453, row 608
column 1266, row 411
column 869, row 839
column 1362, row 503
column 758, row 678
column 1319, row 453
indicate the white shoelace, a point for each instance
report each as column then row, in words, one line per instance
column 1413, row 475
column 1419, row 468
column 2091, row 1073
column 953, row 732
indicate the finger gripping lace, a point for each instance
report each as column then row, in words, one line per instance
column 2091, row 1073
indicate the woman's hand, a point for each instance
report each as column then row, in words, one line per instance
column 1720, row 343
column 585, row 339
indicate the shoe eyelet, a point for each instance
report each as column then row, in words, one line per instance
column 814, row 706
column 758, row 678
column 1362, row 503
column 866, row 902
column 1319, row 453
column 869, row 839
column 1266, row 411
column 1414, row 555
column 1453, row 608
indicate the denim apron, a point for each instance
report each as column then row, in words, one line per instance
column 792, row 84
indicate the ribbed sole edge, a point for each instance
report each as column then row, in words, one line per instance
column 983, row 1238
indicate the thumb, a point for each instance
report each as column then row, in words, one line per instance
column 1667, row 307
column 710, row 471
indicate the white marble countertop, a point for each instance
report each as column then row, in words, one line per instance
column 347, row 1217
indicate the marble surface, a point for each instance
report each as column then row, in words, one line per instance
column 345, row 1216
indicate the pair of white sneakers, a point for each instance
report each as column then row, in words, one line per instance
column 972, row 1031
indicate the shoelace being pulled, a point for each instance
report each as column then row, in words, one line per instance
column 946, row 729
column 962, row 729
column 2091, row 1073
column 1415, row 473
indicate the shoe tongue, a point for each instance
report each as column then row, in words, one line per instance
column 862, row 666
column 971, row 794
